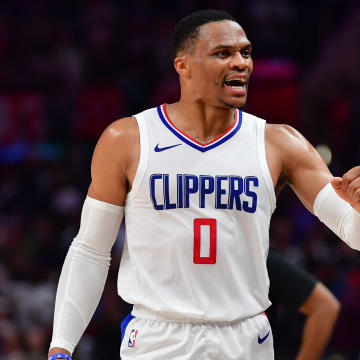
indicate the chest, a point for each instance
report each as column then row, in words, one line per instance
column 227, row 178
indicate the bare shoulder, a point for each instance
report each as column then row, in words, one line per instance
column 115, row 160
column 118, row 140
column 291, row 147
column 285, row 137
column 297, row 161
column 283, row 142
column 120, row 131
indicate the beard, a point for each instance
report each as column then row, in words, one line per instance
column 230, row 105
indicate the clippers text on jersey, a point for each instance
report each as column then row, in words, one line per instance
column 226, row 191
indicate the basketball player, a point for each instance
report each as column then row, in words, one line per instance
column 197, row 182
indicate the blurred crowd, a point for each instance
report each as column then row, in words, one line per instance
column 68, row 69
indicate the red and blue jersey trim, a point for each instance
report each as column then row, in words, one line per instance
column 235, row 127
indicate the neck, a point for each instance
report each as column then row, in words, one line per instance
column 200, row 121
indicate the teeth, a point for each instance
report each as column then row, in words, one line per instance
column 242, row 81
column 238, row 87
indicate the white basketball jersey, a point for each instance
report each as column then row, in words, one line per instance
column 197, row 221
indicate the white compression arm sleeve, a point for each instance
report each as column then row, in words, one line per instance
column 84, row 272
column 338, row 215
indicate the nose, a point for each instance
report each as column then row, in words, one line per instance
column 238, row 61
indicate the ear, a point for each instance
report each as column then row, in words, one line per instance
column 182, row 66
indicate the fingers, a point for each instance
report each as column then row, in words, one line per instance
column 349, row 184
column 353, row 190
column 336, row 182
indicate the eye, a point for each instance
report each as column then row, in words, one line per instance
column 222, row 54
column 246, row 53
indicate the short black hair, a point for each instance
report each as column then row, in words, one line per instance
column 187, row 29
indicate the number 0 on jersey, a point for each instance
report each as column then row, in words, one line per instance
column 199, row 242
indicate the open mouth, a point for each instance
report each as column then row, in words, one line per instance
column 236, row 84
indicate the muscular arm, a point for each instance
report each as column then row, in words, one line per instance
column 115, row 161
column 86, row 265
column 335, row 201
column 293, row 159
column 321, row 309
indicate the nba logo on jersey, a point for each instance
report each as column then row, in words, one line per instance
column 132, row 338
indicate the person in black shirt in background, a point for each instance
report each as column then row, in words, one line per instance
column 293, row 287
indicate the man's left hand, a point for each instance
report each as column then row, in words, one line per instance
column 348, row 187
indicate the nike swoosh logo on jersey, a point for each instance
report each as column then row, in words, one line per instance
column 261, row 340
column 158, row 149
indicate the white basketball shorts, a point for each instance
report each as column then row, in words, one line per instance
column 148, row 336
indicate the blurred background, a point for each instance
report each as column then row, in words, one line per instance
column 69, row 68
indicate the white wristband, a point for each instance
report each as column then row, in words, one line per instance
column 338, row 215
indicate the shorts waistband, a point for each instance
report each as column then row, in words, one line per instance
column 140, row 311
